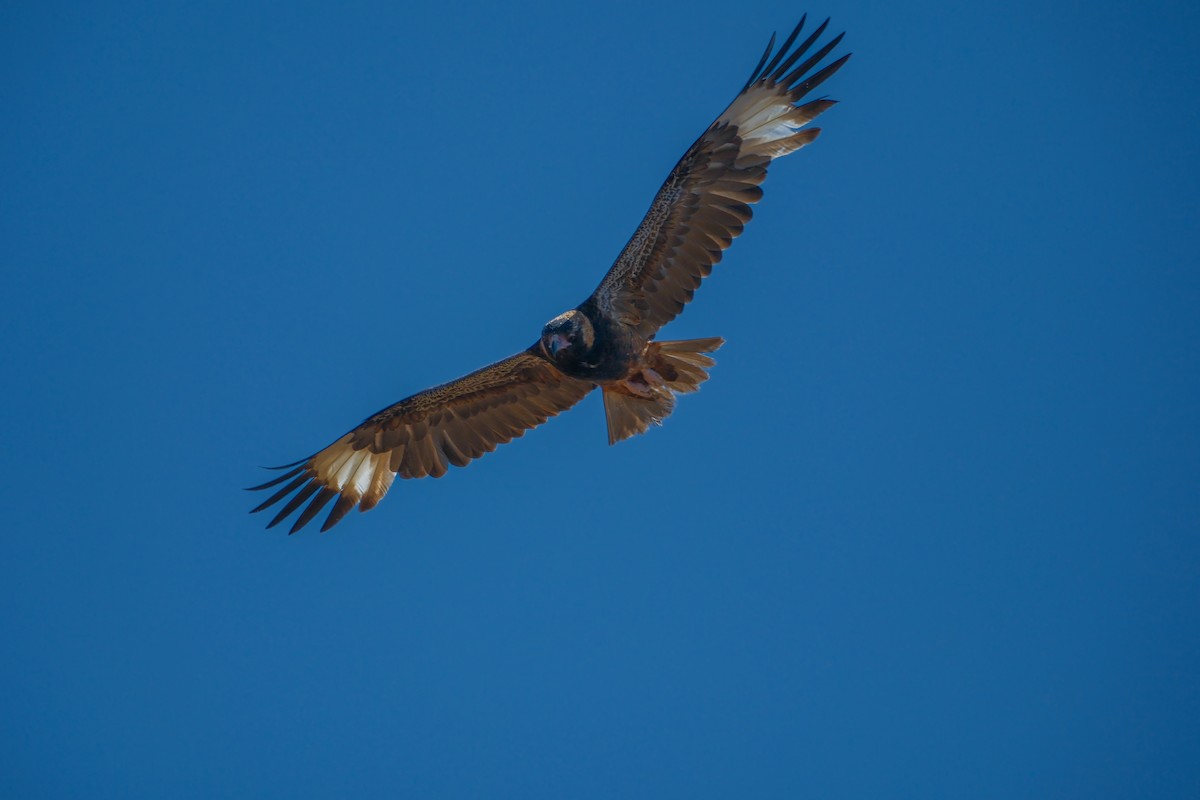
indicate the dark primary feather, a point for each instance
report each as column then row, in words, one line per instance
column 783, row 49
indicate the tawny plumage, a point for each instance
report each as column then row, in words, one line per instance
column 606, row 341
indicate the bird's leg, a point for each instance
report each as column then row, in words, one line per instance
column 645, row 383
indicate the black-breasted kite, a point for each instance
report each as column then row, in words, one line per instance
column 606, row 341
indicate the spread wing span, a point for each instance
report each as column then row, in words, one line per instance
column 705, row 202
column 423, row 435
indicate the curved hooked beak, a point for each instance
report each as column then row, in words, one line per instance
column 555, row 343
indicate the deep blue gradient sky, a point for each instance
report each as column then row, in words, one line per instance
column 931, row 530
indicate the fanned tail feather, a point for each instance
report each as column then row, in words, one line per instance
column 688, row 360
column 675, row 367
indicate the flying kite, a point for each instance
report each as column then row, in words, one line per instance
column 608, row 340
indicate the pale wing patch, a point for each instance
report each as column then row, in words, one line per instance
column 362, row 475
column 768, row 124
column 755, row 109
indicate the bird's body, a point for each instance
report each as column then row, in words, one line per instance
column 609, row 340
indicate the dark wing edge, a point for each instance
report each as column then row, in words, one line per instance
column 448, row 425
column 705, row 202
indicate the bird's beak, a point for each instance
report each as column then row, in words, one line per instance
column 557, row 342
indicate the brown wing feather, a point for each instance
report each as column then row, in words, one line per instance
column 705, row 202
column 448, row 425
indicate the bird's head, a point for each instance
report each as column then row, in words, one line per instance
column 568, row 337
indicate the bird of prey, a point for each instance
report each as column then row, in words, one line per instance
column 608, row 340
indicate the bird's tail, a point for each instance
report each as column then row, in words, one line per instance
column 649, row 396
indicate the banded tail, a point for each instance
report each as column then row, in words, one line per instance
column 649, row 397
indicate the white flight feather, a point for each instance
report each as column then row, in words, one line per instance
column 366, row 471
column 761, row 115
column 327, row 462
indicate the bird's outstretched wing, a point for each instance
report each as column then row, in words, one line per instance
column 705, row 202
column 423, row 435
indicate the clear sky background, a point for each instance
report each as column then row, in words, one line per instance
column 931, row 530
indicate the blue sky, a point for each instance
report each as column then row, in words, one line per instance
column 931, row 530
